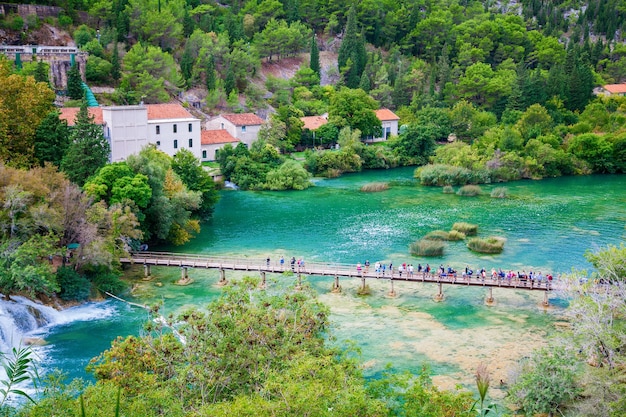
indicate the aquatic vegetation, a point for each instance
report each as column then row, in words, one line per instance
column 500, row 192
column 469, row 191
column 427, row 247
column 448, row 189
column 492, row 244
column 454, row 235
column 468, row 229
column 375, row 187
column 437, row 235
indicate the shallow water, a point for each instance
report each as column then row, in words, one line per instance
column 548, row 226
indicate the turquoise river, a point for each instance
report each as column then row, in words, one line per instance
column 548, row 226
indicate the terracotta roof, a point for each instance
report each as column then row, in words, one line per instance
column 313, row 122
column 386, row 114
column 212, row 137
column 243, row 119
column 167, row 111
column 615, row 88
column 69, row 114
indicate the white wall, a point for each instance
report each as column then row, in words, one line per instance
column 166, row 136
column 126, row 129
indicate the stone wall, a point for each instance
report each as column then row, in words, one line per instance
column 25, row 10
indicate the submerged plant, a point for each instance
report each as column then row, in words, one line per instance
column 448, row 189
column 492, row 244
column 437, row 235
column 468, row 229
column 500, row 192
column 375, row 187
column 427, row 247
column 455, row 235
column 469, row 191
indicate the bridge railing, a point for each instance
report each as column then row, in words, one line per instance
column 326, row 268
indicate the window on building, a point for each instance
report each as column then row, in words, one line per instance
column 222, row 126
column 158, row 130
column 175, row 144
column 158, row 143
column 190, row 128
column 175, row 128
column 203, row 154
column 243, row 129
column 191, row 143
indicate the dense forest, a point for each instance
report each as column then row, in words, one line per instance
column 486, row 91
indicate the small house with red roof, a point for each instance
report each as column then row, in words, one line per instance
column 212, row 140
column 388, row 119
column 614, row 89
column 242, row 126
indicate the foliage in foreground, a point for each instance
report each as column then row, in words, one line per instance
column 250, row 353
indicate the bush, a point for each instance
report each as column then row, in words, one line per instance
column 437, row 235
column 491, row 244
column 468, row 229
column 440, row 174
column 108, row 281
column 374, row 187
column 469, row 191
column 427, row 247
column 454, row 235
column 448, row 189
column 74, row 286
column 500, row 192
column 17, row 23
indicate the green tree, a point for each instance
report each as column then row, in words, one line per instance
column 546, row 382
column 354, row 108
column 211, row 78
column 115, row 63
column 88, row 148
column 416, row 144
column 74, row 83
column 351, row 58
column 51, row 139
column 289, row 176
column 190, row 171
column 315, row 57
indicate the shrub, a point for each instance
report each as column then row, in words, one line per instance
column 468, row 229
column 17, row 23
column 74, row 286
column 492, row 244
column 448, row 189
column 437, row 235
column 374, row 187
column 500, row 192
column 469, row 191
column 454, row 235
column 427, row 247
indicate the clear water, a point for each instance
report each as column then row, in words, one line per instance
column 548, row 225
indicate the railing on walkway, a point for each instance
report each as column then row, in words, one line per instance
column 326, row 269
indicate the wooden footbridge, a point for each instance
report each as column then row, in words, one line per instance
column 336, row 270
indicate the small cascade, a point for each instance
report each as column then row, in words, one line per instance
column 21, row 316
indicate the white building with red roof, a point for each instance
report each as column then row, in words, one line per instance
column 129, row 128
column 242, row 126
column 388, row 119
column 614, row 89
column 212, row 140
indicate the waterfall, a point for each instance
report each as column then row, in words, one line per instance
column 21, row 316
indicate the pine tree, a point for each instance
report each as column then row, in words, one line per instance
column 186, row 62
column 74, row 83
column 88, row 149
column 229, row 81
column 41, row 72
column 315, row 57
column 115, row 63
column 351, row 58
column 211, row 81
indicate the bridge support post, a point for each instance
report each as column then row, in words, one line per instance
column 336, row 287
column 489, row 301
column 146, row 272
column 439, row 295
column 222, row 280
column 299, row 285
column 263, row 283
column 392, row 292
column 546, row 303
column 184, row 276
